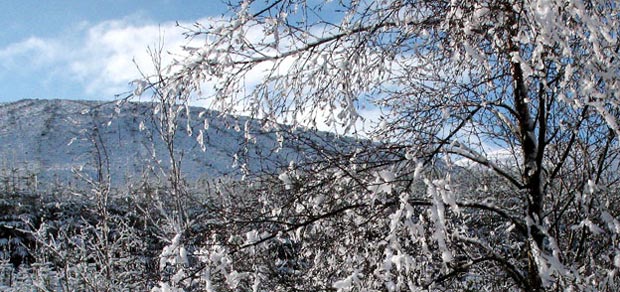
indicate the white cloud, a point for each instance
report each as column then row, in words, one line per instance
column 98, row 57
column 32, row 51
column 104, row 63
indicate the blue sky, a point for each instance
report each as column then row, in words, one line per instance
column 84, row 49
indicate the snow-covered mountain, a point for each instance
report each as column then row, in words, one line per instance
column 52, row 139
column 501, row 157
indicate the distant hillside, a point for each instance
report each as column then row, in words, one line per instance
column 53, row 138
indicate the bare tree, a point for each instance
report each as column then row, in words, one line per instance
column 523, row 93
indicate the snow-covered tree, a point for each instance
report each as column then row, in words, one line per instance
column 493, row 162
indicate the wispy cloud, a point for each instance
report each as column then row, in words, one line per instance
column 31, row 52
column 97, row 57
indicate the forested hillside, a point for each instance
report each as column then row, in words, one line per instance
column 57, row 140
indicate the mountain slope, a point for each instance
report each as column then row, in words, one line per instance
column 53, row 138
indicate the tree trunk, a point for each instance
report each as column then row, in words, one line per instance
column 532, row 172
